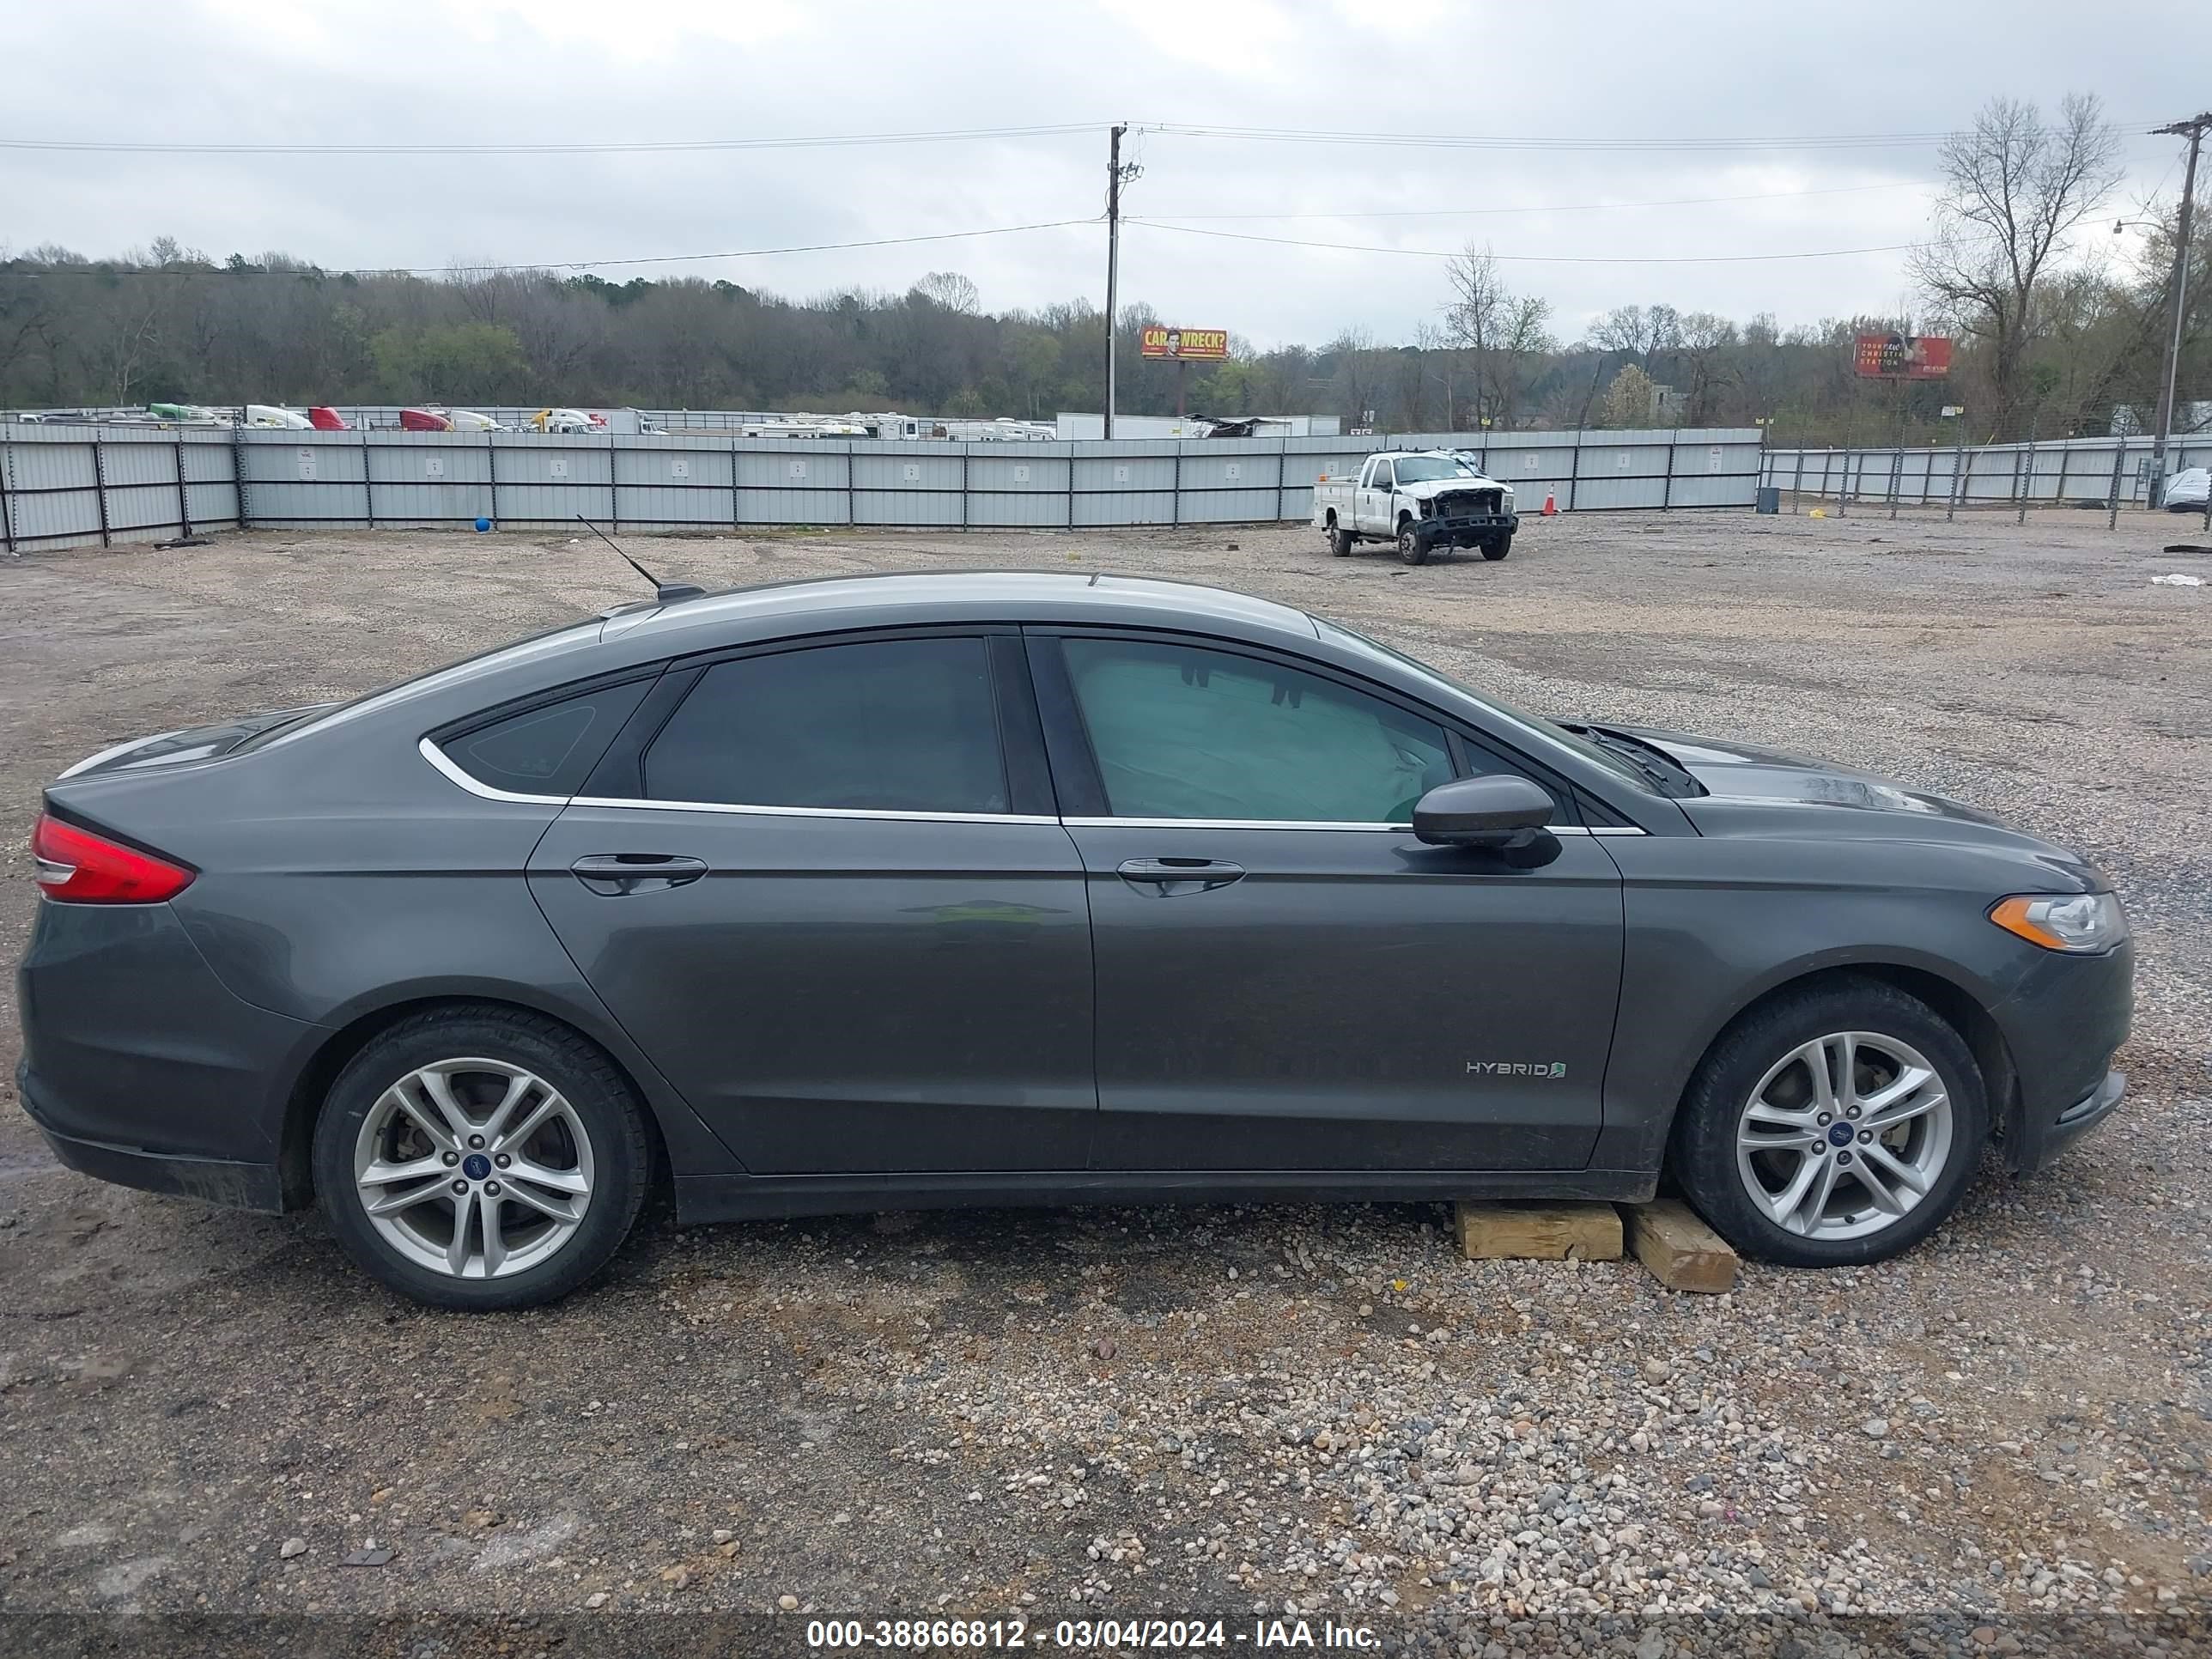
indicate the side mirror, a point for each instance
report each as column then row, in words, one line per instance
column 1502, row 811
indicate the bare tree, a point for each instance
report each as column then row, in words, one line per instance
column 1628, row 332
column 1505, row 335
column 1702, row 341
column 952, row 291
column 2015, row 190
column 1354, row 351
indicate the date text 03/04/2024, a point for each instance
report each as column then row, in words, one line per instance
column 1170, row 1635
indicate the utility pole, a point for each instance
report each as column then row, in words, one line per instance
column 1116, row 176
column 2194, row 129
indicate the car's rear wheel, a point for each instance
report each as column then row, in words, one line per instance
column 1413, row 546
column 481, row 1159
column 1340, row 540
column 1834, row 1125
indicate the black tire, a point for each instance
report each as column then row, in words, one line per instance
column 1498, row 549
column 601, row 1099
column 1413, row 546
column 1703, row 1156
column 1340, row 540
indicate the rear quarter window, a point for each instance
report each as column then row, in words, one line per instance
column 550, row 748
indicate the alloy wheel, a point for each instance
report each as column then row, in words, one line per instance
column 1844, row 1135
column 473, row 1168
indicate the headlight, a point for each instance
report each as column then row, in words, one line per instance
column 2077, row 923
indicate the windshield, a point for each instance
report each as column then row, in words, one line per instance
column 1547, row 731
column 1424, row 468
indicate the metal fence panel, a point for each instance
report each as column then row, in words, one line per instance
column 1608, row 494
column 1131, row 475
column 1129, row 507
column 794, row 482
column 53, row 495
column 906, row 470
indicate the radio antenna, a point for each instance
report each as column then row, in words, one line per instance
column 666, row 593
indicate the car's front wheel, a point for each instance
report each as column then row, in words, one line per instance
column 1834, row 1125
column 481, row 1159
column 1413, row 546
column 1498, row 548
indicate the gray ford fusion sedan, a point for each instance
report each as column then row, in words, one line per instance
column 1012, row 889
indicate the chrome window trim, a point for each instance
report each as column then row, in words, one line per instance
column 445, row 764
column 1309, row 824
column 864, row 812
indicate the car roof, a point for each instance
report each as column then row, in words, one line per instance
column 635, row 636
column 832, row 603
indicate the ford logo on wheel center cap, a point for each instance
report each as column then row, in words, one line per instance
column 475, row 1166
column 1840, row 1135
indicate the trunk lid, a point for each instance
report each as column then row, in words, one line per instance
column 190, row 743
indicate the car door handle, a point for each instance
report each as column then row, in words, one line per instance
column 616, row 873
column 1166, row 878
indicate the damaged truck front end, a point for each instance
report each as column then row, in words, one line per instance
column 1478, row 515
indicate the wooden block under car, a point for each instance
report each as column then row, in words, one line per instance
column 1682, row 1253
column 1537, row 1232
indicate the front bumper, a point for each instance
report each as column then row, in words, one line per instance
column 2034, row 1139
column 1466, row 531
column 2067, row 1017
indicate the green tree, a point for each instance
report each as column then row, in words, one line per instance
column 451, row 361
column 1629, row 400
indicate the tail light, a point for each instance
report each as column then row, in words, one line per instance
column 81, row 867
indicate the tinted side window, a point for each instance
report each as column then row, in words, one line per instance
column 1181, row 732
column 550, row 749
column 894, row 724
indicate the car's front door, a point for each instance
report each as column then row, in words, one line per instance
column 1286, row 978
column 840, row 915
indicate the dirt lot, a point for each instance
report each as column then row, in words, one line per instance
column 1156, row 1411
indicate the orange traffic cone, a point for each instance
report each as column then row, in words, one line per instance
column 1551, row 505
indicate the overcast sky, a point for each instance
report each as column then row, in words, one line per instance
column 242, row 71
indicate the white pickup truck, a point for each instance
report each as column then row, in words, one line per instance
column 1421, row 502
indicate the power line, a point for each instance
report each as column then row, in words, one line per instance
column 1532, row 259
column 607, row 147
column 1524, row 142
column 1567, row 207
column 551, row 264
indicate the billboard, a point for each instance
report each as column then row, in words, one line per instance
column 1202, row 345
column 1903, row 357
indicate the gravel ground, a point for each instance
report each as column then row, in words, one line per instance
column 1250, row 1413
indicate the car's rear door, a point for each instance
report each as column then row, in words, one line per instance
column 1372, row 512
column 1286, row 978
column 823, row 887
